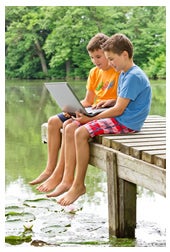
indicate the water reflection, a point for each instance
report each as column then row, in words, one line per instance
column 28, row 105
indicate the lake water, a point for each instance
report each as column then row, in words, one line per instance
column 85, row 223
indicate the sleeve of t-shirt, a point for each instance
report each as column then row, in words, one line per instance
column 91, row 79
column 131, row 87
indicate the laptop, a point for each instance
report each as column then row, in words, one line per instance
column 68, row 101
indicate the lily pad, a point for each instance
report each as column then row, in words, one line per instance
column 41, row 202
column 52, row 231
column 14, row 216
column 15, row 240
column 13, row 209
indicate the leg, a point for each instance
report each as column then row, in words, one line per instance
column 70, row 160
column 54, row 142
column 57, row 175
column 82, row 157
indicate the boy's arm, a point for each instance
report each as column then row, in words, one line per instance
column 105, row 103
column 89, row 99
column 117, row 110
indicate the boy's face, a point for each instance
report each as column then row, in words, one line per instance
column 116, row 61
column 98, row 58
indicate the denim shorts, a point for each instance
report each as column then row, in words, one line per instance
column 62, row 117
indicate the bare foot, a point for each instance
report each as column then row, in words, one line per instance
column 61, row 188
column 72, row 195
column 50, row 183
column 41, row 178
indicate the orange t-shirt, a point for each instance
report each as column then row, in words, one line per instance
column 103, row 83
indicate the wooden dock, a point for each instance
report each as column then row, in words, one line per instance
column 130, row 160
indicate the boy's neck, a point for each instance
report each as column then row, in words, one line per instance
column 107, row 68
column 129, row 65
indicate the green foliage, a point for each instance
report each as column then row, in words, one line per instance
column 156, row 68
column 158, row 106
column 50, row 42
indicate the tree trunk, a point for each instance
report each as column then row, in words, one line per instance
column 41, row 56
column 67, row 69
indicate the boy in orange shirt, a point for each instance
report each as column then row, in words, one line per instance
column 101, row 92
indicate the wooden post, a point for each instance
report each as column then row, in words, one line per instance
column 127, row 209
column 111, row 168
column 121, row 201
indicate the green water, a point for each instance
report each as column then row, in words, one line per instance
column 34, row 220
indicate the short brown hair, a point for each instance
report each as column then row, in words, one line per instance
column 96, row 42
column 117, row 44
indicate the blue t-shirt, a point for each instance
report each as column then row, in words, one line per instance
column 135, row 86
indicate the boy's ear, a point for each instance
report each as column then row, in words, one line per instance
column 125, row 53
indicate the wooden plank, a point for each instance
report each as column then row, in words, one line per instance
column 150, row 148
column 137, row 150
column 160, row 160
column 148, row 156
column 145, row 143
column 141, row 173
column 155, row 125
column 155, row 119
column 139, row 167
column 116, row 144
column 98, row 156
column 112, row 141
column 153, row 130
column 136, row 136
column 139, row 139
column 126, row 138
column 144, row 180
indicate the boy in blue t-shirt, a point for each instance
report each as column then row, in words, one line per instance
column 135, row 86
column 127, row 115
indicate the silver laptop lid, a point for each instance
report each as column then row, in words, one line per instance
column 67, row 100
column 65, row 97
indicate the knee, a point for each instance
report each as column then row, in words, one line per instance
column 54, row 122
column 82, row 134
column 70, row 128
column 66, row 123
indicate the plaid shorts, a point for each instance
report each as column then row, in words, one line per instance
column 106, row 126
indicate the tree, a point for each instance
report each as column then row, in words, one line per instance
column 24, row 39
column 146, row 26
column 51, row 41
column 69, row 37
